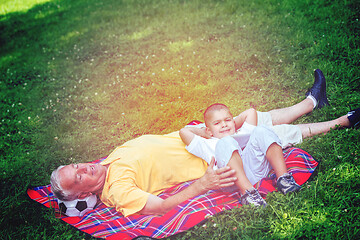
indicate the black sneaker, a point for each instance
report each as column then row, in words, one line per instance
column 286, row 183
column 253, row 197
column 318, row 89
column 354, row 118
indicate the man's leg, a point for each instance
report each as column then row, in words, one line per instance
column 312, row 129
column 294, row 134
column 315, row 98
column 290, row 114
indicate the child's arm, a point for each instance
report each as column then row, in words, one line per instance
column 250, row 116
column 187, row 134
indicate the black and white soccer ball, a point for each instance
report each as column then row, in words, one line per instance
column 77, row 207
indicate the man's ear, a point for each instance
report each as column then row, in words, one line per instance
column 84, row 195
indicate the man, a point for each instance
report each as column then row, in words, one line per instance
column 136, row 172
column 132, row 175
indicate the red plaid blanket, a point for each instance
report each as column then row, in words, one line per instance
column 104, row 222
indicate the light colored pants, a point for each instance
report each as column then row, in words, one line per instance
column 289, row 134
column 256, row 166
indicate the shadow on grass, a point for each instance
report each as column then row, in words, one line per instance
column 35, row 46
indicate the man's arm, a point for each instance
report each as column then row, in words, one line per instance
column 187, row 134
column 212, row 179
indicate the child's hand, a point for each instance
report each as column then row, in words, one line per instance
column 216, row 179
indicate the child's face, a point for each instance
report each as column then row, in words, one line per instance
column 220, row 123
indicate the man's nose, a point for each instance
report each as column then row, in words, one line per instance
column 82, row 169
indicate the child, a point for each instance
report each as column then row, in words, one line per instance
column 251, row 151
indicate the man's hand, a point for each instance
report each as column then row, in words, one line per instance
column 216, row 179
column 212, row 179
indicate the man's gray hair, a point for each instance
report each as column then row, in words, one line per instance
column 56, row 188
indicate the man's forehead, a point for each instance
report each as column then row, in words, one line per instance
column 67, row 176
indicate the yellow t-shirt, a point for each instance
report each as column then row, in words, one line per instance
column 147, row 165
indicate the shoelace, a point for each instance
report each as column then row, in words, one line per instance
column 253, row 196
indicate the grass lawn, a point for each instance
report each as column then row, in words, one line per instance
column 78, row 78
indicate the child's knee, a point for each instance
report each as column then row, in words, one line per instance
column 224, row 149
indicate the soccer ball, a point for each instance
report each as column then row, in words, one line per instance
column 77, row 207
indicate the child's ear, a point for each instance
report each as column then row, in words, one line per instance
column 84, row 195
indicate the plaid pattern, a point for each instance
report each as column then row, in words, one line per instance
column 104, row 222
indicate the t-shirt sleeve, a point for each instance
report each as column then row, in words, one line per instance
column 123, row 193
column 202, row 148
column 127, row 198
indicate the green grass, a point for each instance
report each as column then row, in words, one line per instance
column 78, row 78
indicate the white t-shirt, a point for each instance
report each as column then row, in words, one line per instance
column 252, row 150
column 205, row 148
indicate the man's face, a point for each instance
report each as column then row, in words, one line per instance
column 221, row 123
column 83, row 178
